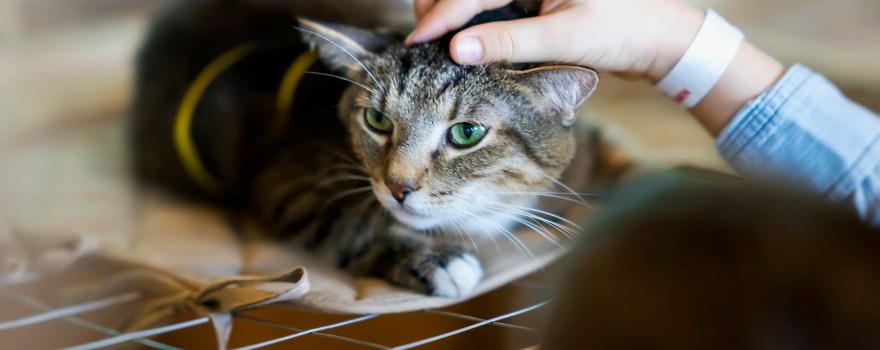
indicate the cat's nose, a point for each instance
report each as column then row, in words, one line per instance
column 400, row 191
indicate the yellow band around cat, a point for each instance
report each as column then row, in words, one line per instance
column 183, row 141
column 289, row 84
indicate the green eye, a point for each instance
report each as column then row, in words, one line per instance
column 464, row 135
column 377, row 121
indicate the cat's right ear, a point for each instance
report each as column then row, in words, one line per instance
column 563, row 87
column 343, row 48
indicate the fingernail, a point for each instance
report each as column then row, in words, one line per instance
column 469, row 50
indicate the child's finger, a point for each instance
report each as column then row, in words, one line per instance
column 422, row 7
column 551, row 5
column 524, row 40
column 446, row 15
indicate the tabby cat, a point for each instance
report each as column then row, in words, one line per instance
column 444, row 149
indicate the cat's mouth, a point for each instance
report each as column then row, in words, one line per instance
column 414, row 218
column 412, row 211
column 407, row 214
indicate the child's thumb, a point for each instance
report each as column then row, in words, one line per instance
column 524, row 40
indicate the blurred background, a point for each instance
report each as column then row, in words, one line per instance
column 65, row 74
column 68, row 61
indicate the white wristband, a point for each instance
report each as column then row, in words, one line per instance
column 703, row 63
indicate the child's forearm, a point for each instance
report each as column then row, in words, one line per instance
column 750, row 73
column 804, row 132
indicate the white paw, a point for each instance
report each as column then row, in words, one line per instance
column 458, row 278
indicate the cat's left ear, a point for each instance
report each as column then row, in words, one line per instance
column 563, row 87
column 342, row 47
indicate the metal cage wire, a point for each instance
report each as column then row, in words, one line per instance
column 72, row 314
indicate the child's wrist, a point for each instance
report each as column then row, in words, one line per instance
column 674, row 41
column 751, row 73
column 704, row 62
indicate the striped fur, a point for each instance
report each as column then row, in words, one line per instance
column 323, row 180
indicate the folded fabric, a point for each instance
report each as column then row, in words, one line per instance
column 77, row 208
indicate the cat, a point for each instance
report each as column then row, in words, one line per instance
column 386, row 152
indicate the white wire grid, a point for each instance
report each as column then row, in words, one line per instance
column 41, row 314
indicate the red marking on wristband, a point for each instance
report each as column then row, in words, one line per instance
column 681, row 96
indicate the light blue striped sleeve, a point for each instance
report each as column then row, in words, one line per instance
column 804, row 132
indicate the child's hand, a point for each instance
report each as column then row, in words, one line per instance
column 634, row 38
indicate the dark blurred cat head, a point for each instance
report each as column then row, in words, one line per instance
column 698, row 260
column 446, row 144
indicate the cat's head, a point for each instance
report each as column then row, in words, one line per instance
column 446, row 144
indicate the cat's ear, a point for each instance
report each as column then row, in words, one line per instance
column 563, row 87
column 341, row 47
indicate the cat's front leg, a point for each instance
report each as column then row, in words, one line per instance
column 442, row 270
column 410, row 260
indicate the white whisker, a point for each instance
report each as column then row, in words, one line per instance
column 566, row 188
column 343, row 50
column 577, row 194
column 463, row 225
column 540, row 229
column 458, row 229
column 545, row 213
column 529, row 211
column 566, row 231
column 463, row 233
column 506, row 232
column 579, row 200
column 509, row 235
column 342, row 78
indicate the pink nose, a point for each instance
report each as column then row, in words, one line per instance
column 400, row 191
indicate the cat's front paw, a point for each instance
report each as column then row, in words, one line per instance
column 446, row 272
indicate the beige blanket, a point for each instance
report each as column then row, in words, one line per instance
column 69, row 205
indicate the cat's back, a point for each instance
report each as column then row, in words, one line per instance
column 229, row 57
